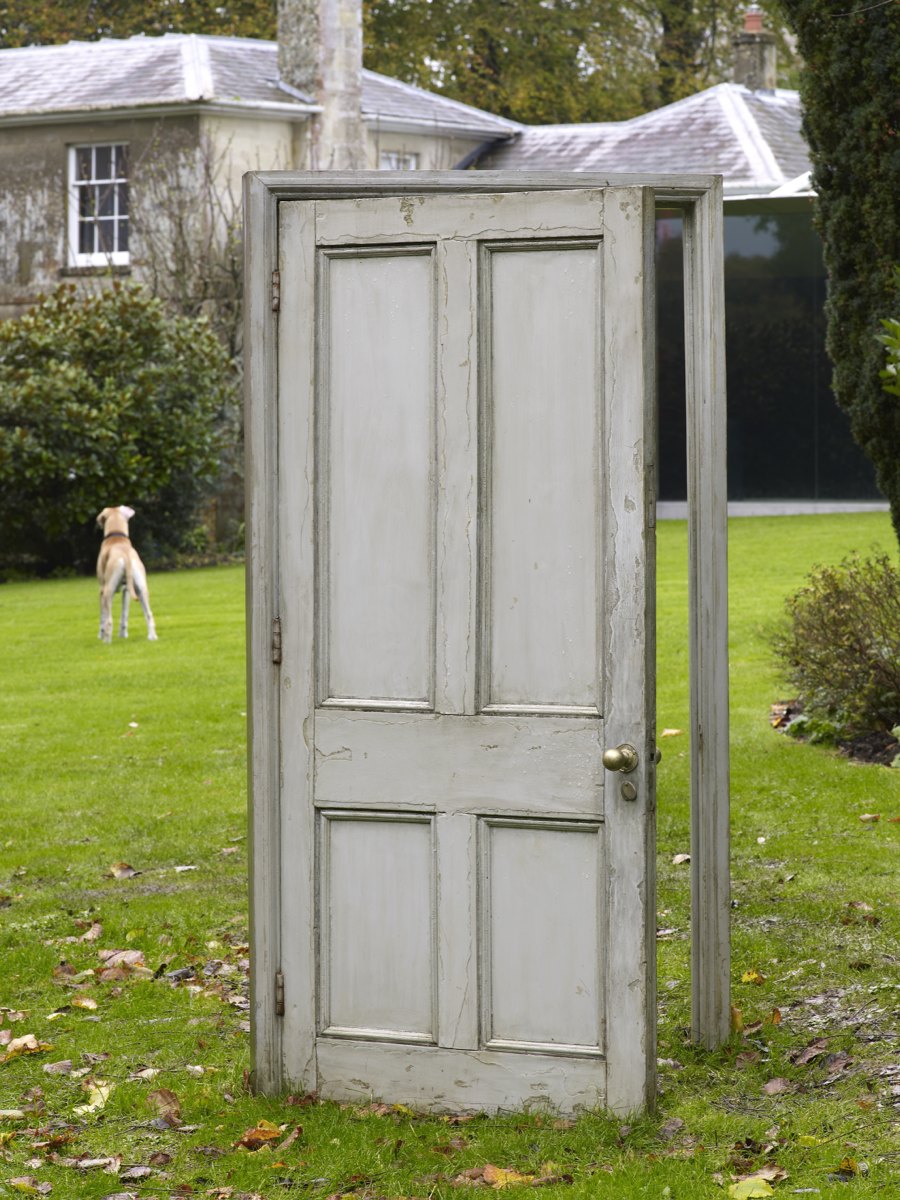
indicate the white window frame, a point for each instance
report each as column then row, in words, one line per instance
column 95, row 258
column 398, row 160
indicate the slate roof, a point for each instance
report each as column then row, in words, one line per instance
column 753, row 139
column 46, row 82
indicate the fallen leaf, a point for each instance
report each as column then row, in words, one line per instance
column 752, row 976
column 167, row 1105
column 679, row 859
column 808, row 1139
column 84, row 1002
column 63, row 1067
column 292, row 1137
column 775, row 1017
column 132, row 1174
column 771, row 1172
column 775, row 1087
column 497, row 1177
column 30, row 1186
column 98, row 1091
column 749, row 1189
column 737, row 1020
column 143, row 1073
column 671, row 1127
column 122, row 870
column 12, row 1114
column 812, row 1050
column 746, row 1057
column 838, row 1062
column 188, row 868
column 28, row 1044
column 121, row 958
column 262, row 1134
column 871, row 818
column 671, row 733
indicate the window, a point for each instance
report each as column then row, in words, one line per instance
column 98, row 205
column 398, row 160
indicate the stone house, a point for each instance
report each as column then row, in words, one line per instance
column 111, row 150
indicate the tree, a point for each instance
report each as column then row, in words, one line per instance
column 45, row 22
column 850, row 87
column 106, row 399
column 559, row 60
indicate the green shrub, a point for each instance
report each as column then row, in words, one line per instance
column 106, row 399
column 841, row 645
column 890, row 375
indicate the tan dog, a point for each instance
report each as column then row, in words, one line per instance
column 120, row 567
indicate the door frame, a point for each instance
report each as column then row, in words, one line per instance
column 699, row 198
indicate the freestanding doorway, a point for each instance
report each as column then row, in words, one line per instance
column 451, row 466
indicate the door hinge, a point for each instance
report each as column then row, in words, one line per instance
column 279, row 993
column 276, row 291
column 276, row 641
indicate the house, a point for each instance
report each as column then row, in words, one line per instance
column 787, row 439
column 101, row 143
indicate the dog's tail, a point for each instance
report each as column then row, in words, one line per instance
column 129, row 578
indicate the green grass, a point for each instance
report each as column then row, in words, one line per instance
column 135, row 753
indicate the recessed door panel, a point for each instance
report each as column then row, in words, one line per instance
column 540, row 444
column 377, row 919
column 376, row 509
column 542, row 922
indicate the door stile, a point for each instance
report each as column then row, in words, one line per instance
column 260, row 250
column 629, row 654
column 297, row 600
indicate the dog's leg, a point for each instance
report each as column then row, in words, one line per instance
column 143, row 594
column 108, row 588
column 123, row 624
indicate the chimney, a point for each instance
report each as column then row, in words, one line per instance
column 320, row 53
column 754, row 53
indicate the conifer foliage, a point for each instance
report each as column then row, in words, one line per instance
column 850, row 87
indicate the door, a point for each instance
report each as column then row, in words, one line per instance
column 464, row 530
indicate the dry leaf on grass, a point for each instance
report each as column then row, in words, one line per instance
column 27, row 1044
column 98, row 1092
column 810, row 1051
column 30, row 1186
column 122, row 870
column 262, row 1134
column 168, row 1106
column 775, row 1087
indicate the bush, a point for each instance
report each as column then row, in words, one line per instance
column 841, row 645
column 106, row 399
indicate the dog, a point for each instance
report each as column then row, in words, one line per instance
column 119, row 566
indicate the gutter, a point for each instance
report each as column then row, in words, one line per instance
column 231, row 108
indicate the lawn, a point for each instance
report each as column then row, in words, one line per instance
column 123, row 931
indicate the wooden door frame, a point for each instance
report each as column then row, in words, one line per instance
column 699, row 198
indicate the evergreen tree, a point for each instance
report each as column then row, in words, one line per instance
column 851, row 96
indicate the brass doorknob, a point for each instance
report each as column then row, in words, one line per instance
column 622, row 758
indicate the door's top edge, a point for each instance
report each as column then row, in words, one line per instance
column 312, row 185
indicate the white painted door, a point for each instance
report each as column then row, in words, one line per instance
column 464, row 535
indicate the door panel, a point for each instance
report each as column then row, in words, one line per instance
column 376, row 514
column 378, row 899
column 465, row 404
column 541, row 510
column 542, row 921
